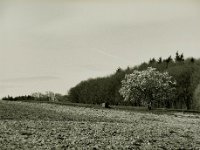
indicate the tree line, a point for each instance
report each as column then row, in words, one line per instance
column 186, row 73
column 38, row 96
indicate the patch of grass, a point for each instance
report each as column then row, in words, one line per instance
column 14, row 111
column 43, row 111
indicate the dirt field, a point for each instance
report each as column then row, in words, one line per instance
column 48, row 126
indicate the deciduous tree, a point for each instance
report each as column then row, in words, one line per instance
column 149, row 87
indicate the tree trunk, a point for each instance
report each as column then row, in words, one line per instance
column 149, row 106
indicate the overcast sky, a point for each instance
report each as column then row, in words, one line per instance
column 51, row 45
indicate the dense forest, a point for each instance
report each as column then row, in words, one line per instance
column 186, row 72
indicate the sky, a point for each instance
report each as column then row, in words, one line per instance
column 51, row 45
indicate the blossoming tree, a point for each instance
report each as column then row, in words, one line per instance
column 149, row 87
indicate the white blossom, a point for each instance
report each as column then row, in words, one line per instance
column 147, row 86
